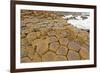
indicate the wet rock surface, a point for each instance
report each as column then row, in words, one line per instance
column 45, row 36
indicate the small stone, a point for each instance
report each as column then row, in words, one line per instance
column 72, row 55
column 60, row 58
column 62, row 50
column 74, row 46
column 84, row 53
column 25, row 60
column 54, row 46
column 63, row 41
column 49, row 56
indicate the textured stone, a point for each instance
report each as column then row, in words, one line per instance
column 26, row 51
column 84, row 53
column 52, row 39
column 42, row 47
column 49, row 56
column 51, row 33
column 36, row 58
column 72, row 55
column 30, row 51
column 54, row 46
column 25, row 60
column 62, row 50
column 60, row 58
column 63, row 41
column 31, row 37
column 46, row 36
column 74, row 46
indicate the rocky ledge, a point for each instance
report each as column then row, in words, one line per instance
column 46, row 36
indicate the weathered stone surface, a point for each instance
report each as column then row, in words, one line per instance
column 63, row 41
column 42, row 47
column 36, row 58
column 72, row 55
column 25, row 60
column 54, row 46
column 51, row 33
column 83, row 37
column 60, row 58
column 31, row 37
column 62, row 50
column 84, row 53
column 49, row 56
column 74, row 46
column 30, row 51
column 52, row 39
column 46, row 36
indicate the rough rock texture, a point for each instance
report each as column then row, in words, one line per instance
column 46, row 36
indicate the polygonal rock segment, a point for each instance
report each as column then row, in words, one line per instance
column 83, row 37
column 31, row 37
column 26, row 48
column 54, row 46
column 62, row 50
column 51, row 33
column 52, row 39
column 49, row 56
column 74, row 46
column 72, row 55
column 30, row 51
column 63, row 34
column 42, row 47
column 36, row 58
column 63, row 41
column 84, row 53
column 25, row 60
column 24, row 42
column 60, row 58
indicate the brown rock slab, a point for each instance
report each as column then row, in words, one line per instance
column 25, row 60
column 42, row 47
column 84, row 53
column 24, row 42
column 54, row 46
column 31, row 37
column 63, row 41
column 74, row 46
column 52, row 39
column 72, row 55
column 51, row 33
column 60, row 58
column 49, row 56
column 62, row 50
column 36, row 58
column 30, row 51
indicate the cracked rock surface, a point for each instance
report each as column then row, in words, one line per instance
column 46, row 36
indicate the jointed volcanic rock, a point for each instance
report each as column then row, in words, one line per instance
column 46, row 36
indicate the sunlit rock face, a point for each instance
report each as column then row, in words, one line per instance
column 47, row 36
